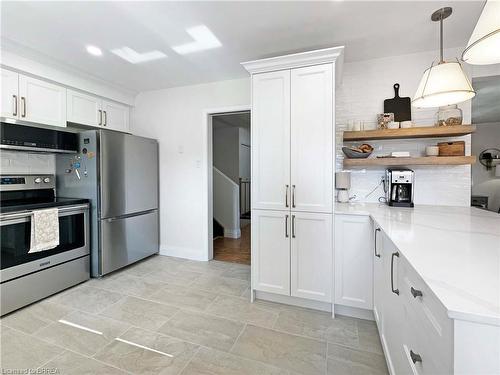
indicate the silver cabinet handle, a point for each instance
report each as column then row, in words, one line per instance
column 293, row 196
column 415, row 357
column 286, row 226
column 375, row 245
column 415, row 292
column 100, row 117
column 286, row 195
column 293, row 226
column 14, row 97
column 23, row 101
column 105, row 118
column 396, row 254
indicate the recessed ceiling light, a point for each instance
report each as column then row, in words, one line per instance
column 203, row 39
column 93, row 50
column 134, row 57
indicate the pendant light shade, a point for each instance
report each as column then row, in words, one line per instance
column 443, row 84
column 484, row 44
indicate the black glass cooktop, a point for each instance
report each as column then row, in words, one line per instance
column 38, row 203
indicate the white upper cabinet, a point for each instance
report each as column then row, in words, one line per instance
column 42, row 102
column 10, row 94
column 115, row 116
column 271, row 251
column 354, row 261
column 84, row 109
column 311, row 256
column 271, row 141
column 312, row 138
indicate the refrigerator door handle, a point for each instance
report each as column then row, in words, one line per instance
column 126, row 216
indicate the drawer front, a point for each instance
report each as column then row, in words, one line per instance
column 428, row 321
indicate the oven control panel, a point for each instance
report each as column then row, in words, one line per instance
column 26, row 182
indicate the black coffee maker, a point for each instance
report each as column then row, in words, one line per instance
column 399, row 186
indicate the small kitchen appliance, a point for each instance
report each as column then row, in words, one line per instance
column 25, row 276
column 399, row 187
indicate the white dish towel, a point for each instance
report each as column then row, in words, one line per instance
column 44, row 230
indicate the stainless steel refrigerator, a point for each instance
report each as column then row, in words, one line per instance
column 119, row 173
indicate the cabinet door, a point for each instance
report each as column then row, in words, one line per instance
column 394, row 314
column 353, row 261
column 84, row 109
column 10, row 94
column 271, row 251
column 42, row 102
column 312, row 256
column 271, row 140
column 312, row 138
column 116, row 116
column 378, row 281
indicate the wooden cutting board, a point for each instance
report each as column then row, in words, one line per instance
column 401, row 107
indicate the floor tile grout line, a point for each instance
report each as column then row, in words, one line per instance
column 237, row 338
column 189, row 360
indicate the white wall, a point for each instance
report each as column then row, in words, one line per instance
column 226, row 150
column 226, row 195
column 244, row 157
column 176, row 118
column 364, row 87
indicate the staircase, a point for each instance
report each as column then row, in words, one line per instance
column 226, row 204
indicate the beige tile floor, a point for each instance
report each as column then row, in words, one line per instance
column 171, row 316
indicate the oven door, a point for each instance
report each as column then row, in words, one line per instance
column 15, row 229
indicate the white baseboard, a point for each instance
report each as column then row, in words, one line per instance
column 183, row 252
column 354, row 312
column 232, row 233
column 294, row 301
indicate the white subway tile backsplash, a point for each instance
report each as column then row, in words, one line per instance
column 360, row 97
column 16, row 162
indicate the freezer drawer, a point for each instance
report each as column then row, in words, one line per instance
column 125, row 240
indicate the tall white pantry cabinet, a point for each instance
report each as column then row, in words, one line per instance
column 293, row 150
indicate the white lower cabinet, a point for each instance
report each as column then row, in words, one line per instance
column 354, row 261
column 312, row 256
column 271, row 251
column 292, row 254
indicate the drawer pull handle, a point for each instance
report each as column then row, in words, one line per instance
column 396, row 254
column 415, row 357
column 375, row 247
column 293, row 196
column 415, row 292
column 293, row 226
column 286, row 195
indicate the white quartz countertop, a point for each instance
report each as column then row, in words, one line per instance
column 456, row 251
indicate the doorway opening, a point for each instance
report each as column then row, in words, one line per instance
column 231, row 186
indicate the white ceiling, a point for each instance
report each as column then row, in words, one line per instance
column 247, row 31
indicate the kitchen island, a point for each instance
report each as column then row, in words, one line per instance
column 436, row 286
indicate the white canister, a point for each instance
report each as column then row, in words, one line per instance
column 393, row 125
column 406, row 124
column 432, row 150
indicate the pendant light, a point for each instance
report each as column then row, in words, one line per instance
column 484, row 43
column 444, row 83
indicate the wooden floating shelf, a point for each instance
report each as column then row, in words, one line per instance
column 425, row 160
column 417, row 132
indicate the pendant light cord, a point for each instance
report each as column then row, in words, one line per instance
column 441, row 40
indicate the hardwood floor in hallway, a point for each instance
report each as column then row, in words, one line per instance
column 234, row 250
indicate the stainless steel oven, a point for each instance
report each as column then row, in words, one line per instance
column 28, row 277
